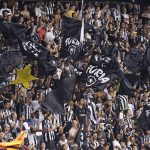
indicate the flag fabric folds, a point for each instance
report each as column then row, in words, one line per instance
column 54, row 100
column 133, row 60
column 16, row 33
column 8, row 61
column 80, row 138
column 71, row 32
column 12, row 31
column 100, row 71
column 46, row 62
column 128, row 84
column 14, row 145
column 144, row 119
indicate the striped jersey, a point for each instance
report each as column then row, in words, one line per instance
column 48, row 135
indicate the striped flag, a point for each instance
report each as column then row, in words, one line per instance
column 80, row 138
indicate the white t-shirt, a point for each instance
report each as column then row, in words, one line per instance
column 49, row 36
column 7, row 9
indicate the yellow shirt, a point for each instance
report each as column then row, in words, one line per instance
column 69, row 13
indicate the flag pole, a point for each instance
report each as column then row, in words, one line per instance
column 82, row 27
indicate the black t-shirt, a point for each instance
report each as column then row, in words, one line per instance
column 111, row 35
column 81, row 114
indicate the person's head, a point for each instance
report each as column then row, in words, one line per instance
column 128, row 113
column 120, row 33
column 106, row 146
column 130, row 6
column 28, row 100
column 102, row 141
column 127, row 45
column 7, row 104
column 124, row 10
column 63, row 137
column 43, row 146
column 73, row 7
column 137, row 113
column 96, row 17
column 148, row 132
column 98, row 8
column 82, row 101
column 58, row 11
column 21, row 19
column 110, row 26
column 4, row 5
column 14, row 115
column 1, row 135
column 16, row 4
column 135, row 147
column 47, row 114
column 122, row 26
column 6, row 127
column 95, row 23
column 116, row 148
column 118, row 137
column 67, row 6
column 123, row 145
column 25, row 7
column 5, row 14
column 94, row 136
column 74, row 15
column 21, row 117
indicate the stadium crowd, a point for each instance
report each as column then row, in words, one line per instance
column 124, row 25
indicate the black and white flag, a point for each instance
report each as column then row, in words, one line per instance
column 33, row 49
column 46, row 62
column 80, row 138
column 71, row 33
column 100, row 71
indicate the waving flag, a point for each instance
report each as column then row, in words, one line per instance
column 12, row 31
column 14, row 145
column 46, row 62
column 73, row 34
column 101, row 71
column 54, row 100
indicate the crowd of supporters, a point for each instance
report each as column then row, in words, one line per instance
column 126, row 26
